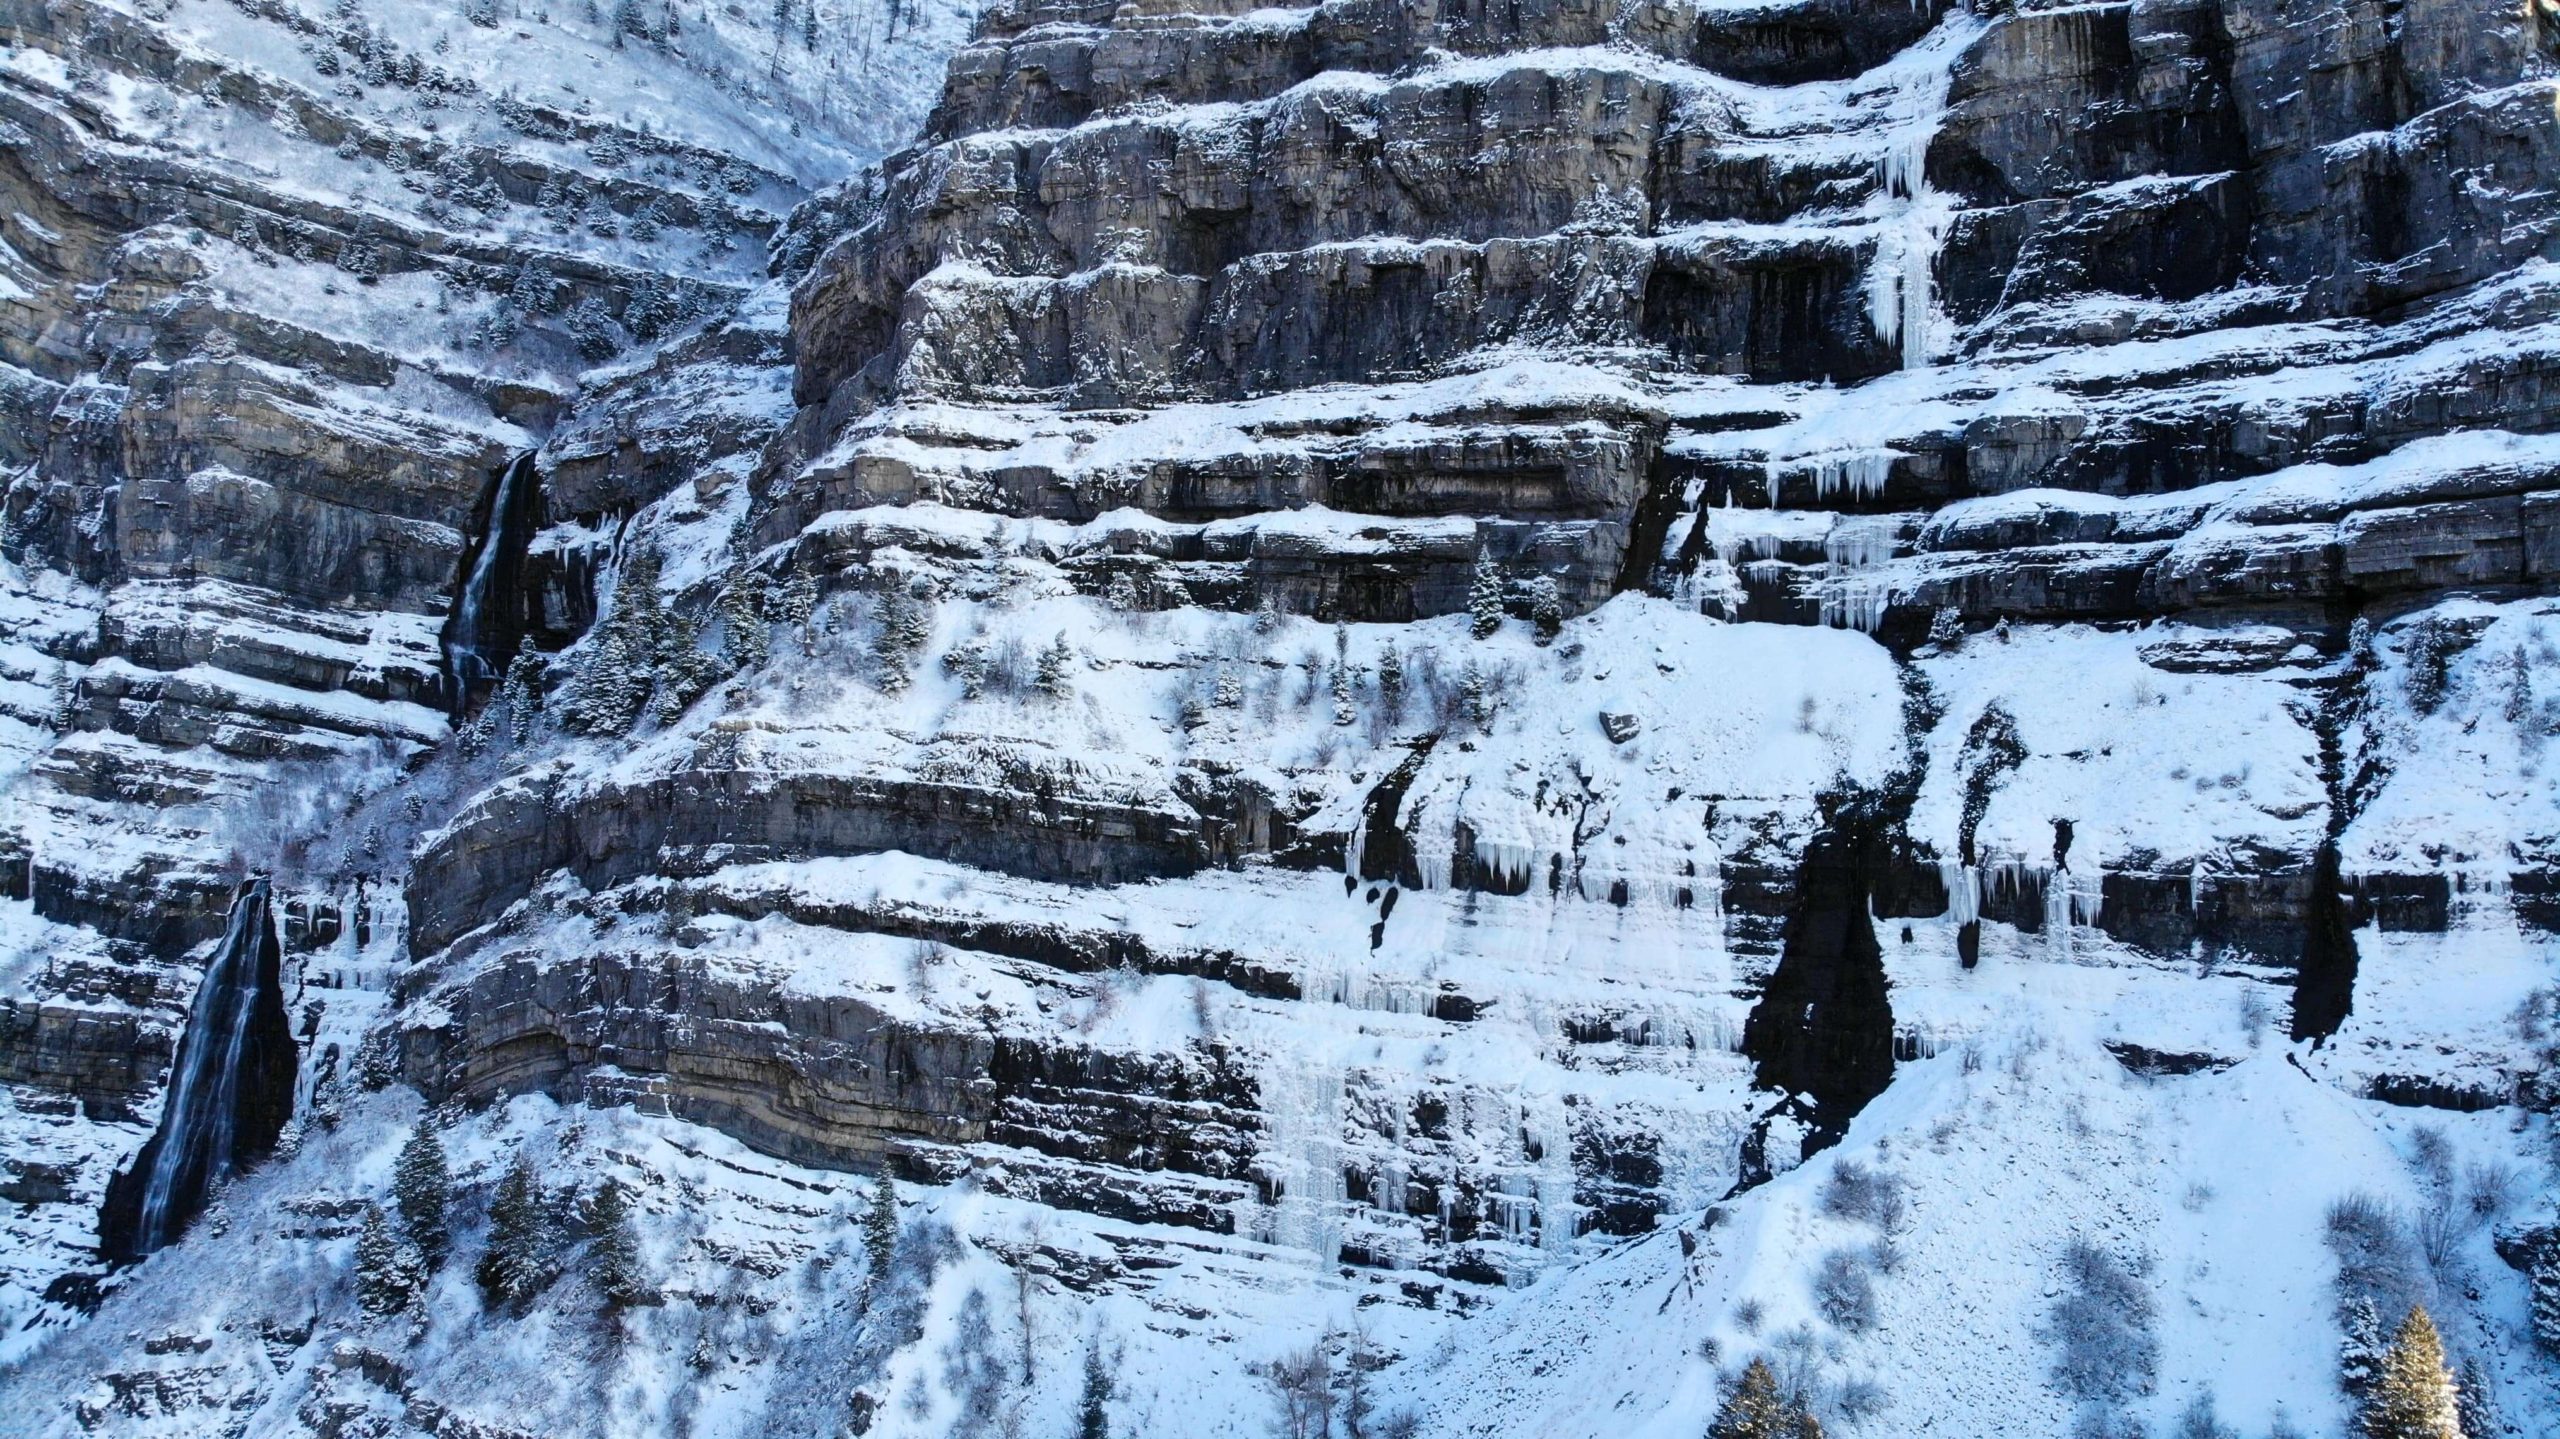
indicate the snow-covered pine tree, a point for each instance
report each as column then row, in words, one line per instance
column 1339, row 679
column 2413, row 1396
column 2361, row 1348
column 888, row 644
column 1752, row 1408
column 520, row 695
column 795, row 603
column 389, row 1272
column 681, row 669
column 746, row 635
column 2474, row 1402
column 614, row 1260
column 880, row 1226
column 1093, row 1414
column 1471, row 694
column 1391, row 683
column 1484, row 597
column 421, row 1189
column 2543, row 1279
column 516, row 1265
column 1546, row 608
column 1051, row 676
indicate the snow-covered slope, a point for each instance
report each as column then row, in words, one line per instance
column 1499, row 707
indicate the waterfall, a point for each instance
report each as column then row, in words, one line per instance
column 483, row 630
column 229, row 1092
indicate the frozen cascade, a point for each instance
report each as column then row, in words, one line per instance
column 1858, row 542
column 229, row 1092
column 1901, row 281
column 1301, row 1159
column 479, row 636
column 1534, row 1204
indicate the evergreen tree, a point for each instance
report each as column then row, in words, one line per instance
column 880, row 1226
column 2544, row 1277
column 1056, row 664
column 1471, row 693
column 520, row 695
column 795, row 603
column 421, row 1189
column 2413, row 1396
column 1484, row 597
column 1391, row 683
column 2360, row 1351
column 614, row 1262
column 1753, row 1408
column 1546, row 608
column 746, row 635
column 2473, row 1403
column 516, row 1265
column 1093, row 1416
column 389, row 1272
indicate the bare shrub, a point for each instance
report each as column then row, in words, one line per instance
column 2103, row 1324
column 1874, row 1196
column 1844, row 1292
column 2375, row 1258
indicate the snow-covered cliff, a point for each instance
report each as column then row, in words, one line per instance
column 1475, row 709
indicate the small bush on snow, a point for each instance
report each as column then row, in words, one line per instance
column 2375, row 1259
column 2102, row 1323
column 1844, row 1291
column 1854, row 1191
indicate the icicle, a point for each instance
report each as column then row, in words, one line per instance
column 1964, row 891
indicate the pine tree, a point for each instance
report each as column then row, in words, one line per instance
column 746, row 635
column 1093, row 1416
column 389, row 1272
column 2474, row 1404
column 2413, row 1396
column 1471, row 693
column 2544, row 1279
column 1056, row 663
column 1546, row 608
column 880, row 1226
column 614, row 1262
column 520, row 695
column 421, row 1189
column 2360, row 1351
column 795, row 602
column 515, row 1266
column 1753, row 1408
column 1484, row 597
column 1391, row 683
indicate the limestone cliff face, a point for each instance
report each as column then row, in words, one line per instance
column 2084, row 341
column 1433, row 634
column 283, row 288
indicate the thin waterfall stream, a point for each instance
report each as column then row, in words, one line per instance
column 486, row 623
column 230, row 1091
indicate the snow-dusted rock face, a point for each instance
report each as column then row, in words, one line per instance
column 1593, row 688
